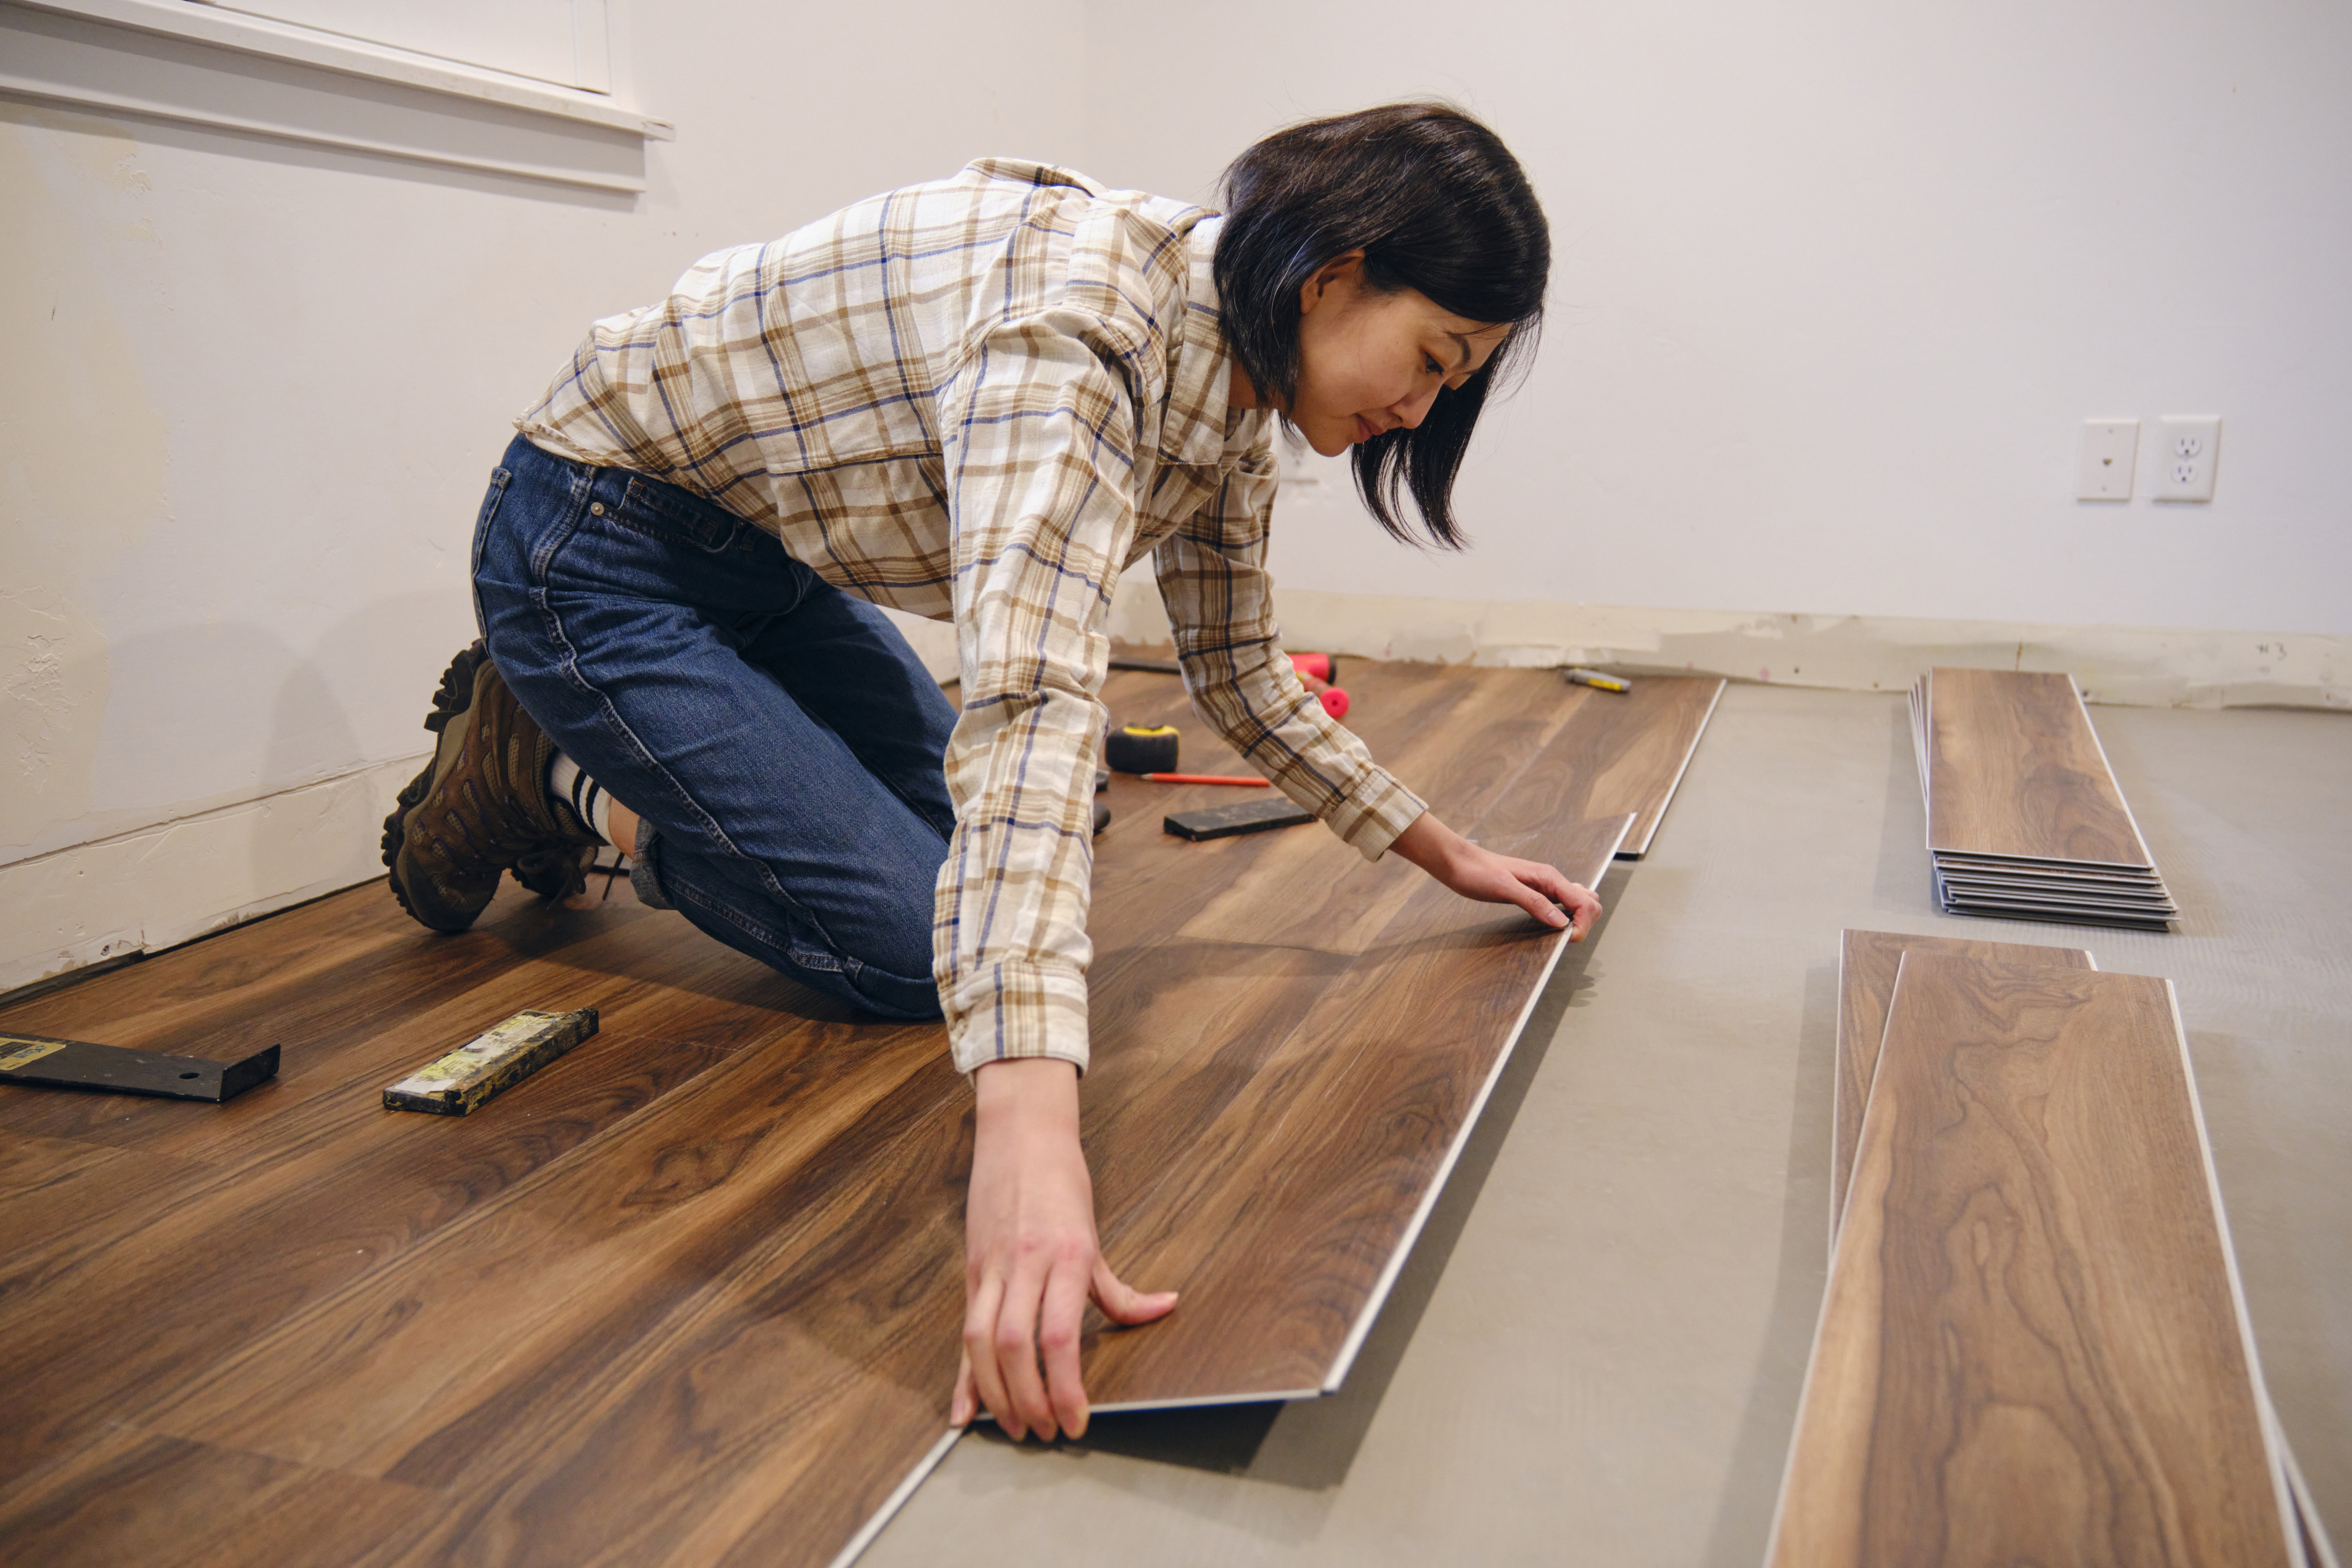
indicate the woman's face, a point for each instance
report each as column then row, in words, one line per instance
column 1369, row 361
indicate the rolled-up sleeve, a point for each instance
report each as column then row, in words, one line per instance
column 1039, row 439
column 1220, row 600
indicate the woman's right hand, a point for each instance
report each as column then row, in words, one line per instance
column 1031, row 1257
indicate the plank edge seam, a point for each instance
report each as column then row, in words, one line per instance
column 1378, row 1296
column 898, row 1499
column 1667, row 799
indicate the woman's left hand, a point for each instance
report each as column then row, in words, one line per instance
column 1482, row 874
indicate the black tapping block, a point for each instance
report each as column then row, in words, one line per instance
column 1225, row 821
column 40, row 1062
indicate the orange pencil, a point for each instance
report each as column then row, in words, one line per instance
column 1202, row 778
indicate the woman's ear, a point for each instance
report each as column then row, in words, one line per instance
column 1340, row 276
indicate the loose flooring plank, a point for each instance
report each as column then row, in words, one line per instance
column 2033, row 1347
column 2015, row 769
column 1285, row 1224
column 1867, row 962
column 1378, row 1082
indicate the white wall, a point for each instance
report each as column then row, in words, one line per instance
column 1837, row 284
column 255, row 391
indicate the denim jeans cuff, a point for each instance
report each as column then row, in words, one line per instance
column 643, row 876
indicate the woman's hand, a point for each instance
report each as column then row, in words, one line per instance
column 1031, row 1259
column 1482, row 874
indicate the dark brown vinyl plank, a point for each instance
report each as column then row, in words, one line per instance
column 2034, row 891
column 1465, row 739
column 129, row 1497
column 1286, row 1218
column 116, row 1307
column 2033, row 1347
column 762, row 1406
column 599, row 1247
column 1867, row 962
column 1437, row 998
column 2015, row 768
column 2076, row 870
column 2056, row 915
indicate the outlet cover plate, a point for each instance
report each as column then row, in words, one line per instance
column 2189, row 451
column 2110, row 449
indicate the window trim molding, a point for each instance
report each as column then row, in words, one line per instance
column 250, row 34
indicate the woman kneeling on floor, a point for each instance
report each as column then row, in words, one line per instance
column 980, row 401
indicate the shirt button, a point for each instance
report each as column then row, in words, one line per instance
column 596, row 508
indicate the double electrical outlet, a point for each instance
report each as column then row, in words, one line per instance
column 2188, row 450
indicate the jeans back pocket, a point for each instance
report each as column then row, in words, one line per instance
column 674, row 515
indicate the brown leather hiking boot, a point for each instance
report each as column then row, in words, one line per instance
column 481, row 806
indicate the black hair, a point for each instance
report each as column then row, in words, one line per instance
column 1437, row 204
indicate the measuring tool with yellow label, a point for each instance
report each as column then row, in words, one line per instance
column 491, row 1062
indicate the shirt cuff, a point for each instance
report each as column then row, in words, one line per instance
column 1372, row 812
column 1019, row 1010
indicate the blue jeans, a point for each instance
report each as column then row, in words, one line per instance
column 778, row 739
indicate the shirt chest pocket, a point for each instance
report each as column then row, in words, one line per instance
column 1171, row 497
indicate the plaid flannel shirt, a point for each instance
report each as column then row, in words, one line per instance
column 980, row 400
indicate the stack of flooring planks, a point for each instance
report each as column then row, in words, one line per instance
column 2024, row 819
column 2033, row 1346
column 692, row 1293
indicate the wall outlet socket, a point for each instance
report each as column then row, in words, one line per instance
column 2110, row 451
column 2188, row 449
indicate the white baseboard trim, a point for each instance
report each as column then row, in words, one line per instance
column 152, row 888
column 2133, row 665
column 155, row 887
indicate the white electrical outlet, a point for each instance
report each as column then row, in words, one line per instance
column 2189, row 451
column 2110, row 447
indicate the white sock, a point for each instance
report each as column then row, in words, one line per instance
column 583, row 794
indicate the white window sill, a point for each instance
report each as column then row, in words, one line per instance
column 64, row 59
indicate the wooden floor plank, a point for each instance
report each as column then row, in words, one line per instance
column 2032, row 1347
column 1867, row 962
column 2015, row 768
column 1421, row 1000
column 597, row 1253
column 131, row 1497
column 1283, row 1222
column 116, row 1310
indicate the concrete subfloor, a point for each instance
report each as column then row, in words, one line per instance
column 1595, row 1353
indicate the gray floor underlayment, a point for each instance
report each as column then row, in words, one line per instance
column 1595, row 1353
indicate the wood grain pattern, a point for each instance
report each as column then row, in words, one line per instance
column 1320, row 1153
column 2014, row 769
column 690, row 1294
column 2033, row 1349
column 1867, row 962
